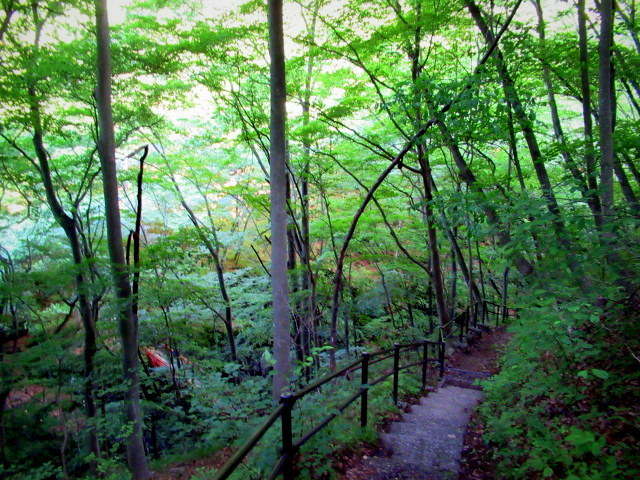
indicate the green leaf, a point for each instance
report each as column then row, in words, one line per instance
column 547, row 472
column 580, row 437
column 600, row 373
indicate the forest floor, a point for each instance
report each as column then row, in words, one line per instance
column 184, row 470
column 476, row 462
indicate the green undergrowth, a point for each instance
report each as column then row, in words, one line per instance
column 315, row 458
column 566, row 402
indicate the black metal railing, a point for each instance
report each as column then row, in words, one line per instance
column 289, row 446
column 482, row 313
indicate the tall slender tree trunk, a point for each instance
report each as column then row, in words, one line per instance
column 521, row 117
column 569, row 161
column 453, row 290
column 213, row 247
column 537, row 158
column 136, row 233
column 467, row 271
column 71, row 228
column 293, row 245
column 605, row 111
column 4, row 395
column 513, row 147
column 278, row 182
column 505, row 296
column 69, row 225
column 522, row 264
column 585, row 87
column 436, row 268
column 425, row 172
column 625, row 187
column 631, row 166
column 309, row 304
column 136, row 458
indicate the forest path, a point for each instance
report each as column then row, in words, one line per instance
column 427, row 443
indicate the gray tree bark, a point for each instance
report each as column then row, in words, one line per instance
column 569, row 161
column 523, row 120
column 605, row 110
column 585, row 87
column 136, row 458
column 278, row 183
column 70, row 226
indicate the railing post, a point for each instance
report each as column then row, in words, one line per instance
column 364, row 389
column 441, row 357
column 396, row 371
column 473, row 308
column 425, row 361
column 287, row 435
column 467, row 320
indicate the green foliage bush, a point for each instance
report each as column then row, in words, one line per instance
column 564, row 403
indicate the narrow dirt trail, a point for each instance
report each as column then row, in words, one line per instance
column 427, row 443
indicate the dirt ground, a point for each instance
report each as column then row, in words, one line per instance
column 476, row 461
column 483, row 355
column 185, row 470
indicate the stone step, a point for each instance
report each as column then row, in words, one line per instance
column 426, row 413
column 433, row 415
column 385, row 470
column 426, row 444
column 466, row 373
column 460, row 382
column 430, row 454
column 451, row 393
column 429, row 430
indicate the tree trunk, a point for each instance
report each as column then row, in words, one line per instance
column 70, row 228
column 632, row 168
column 513, row 146
column 522, row 264
column 569, row 162
column 135, row 234
column 136, row 458
column 589, row 157
column 467, row 273
column 436, row 269
column 278, row 183
column 453, row 295
column 293, row 245
column 214, row 250
column 605, row 111
column 309, row 307
column 513, row 156
column 4, row 395
column 537, row 159
column 625, row 187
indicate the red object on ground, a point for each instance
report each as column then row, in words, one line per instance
column 155, row 360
